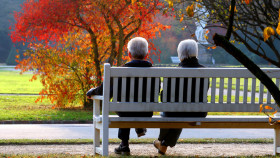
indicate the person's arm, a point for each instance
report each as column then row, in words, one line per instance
column 95, row 91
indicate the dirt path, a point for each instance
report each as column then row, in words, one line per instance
column 212, row 150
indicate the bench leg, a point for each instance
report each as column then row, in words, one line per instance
column 96, row 138
column 276, row 140
column 105, row 138
column 96, row 127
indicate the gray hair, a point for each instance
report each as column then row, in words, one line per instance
column 187, row 49
column 138, row 47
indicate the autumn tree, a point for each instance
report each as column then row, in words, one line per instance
column 76, row 37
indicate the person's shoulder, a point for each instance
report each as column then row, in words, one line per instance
column 138, row 63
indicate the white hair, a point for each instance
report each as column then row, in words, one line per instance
column 138, row 47
column 187, row 49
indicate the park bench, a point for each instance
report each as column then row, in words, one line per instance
column 231, row 90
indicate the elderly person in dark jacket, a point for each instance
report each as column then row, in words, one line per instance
column 137, row 51
column 187, row 53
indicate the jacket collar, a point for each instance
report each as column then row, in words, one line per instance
column 190, row 62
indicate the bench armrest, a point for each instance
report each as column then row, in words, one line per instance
column 97, row 97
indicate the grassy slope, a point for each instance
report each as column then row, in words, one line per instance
column 13, row 82
column 24, row 108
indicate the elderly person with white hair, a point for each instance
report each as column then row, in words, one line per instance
column 138, row 52
column 187, row 53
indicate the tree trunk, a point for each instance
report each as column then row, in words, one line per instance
column 88, row 103
column 249, row 64
column 96, row 61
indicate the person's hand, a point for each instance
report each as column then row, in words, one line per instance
column 90, row 93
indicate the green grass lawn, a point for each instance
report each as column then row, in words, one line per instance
column 24, row 108
column 12, row 82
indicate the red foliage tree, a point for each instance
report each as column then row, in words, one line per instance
column 103, row 26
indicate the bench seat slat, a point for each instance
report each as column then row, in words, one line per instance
column 223, row 125
column 196, row 122
column 190, row 107
column 213, row 118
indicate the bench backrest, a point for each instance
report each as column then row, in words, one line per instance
column 241, row 93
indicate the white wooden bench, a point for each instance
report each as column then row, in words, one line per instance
column 229, row 100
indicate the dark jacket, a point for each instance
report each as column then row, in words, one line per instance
column 133, row 63
column 188, row 63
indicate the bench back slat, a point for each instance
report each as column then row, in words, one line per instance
column 157, row 89
column 148, row 95
column 268, row 97
column 172, row 94
column 164, row 96
column 132, row 84
column 261, row 90
column 197, row 89
column 189, row 90
column 237, row 89
column 140, row 89
column 245, row 90
column 213, row 90
column 123, row 90
column 229, row 90
column 181, row 89
column 115, row 91
column 205, row 89
column 221, row 90
column 253, row 91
